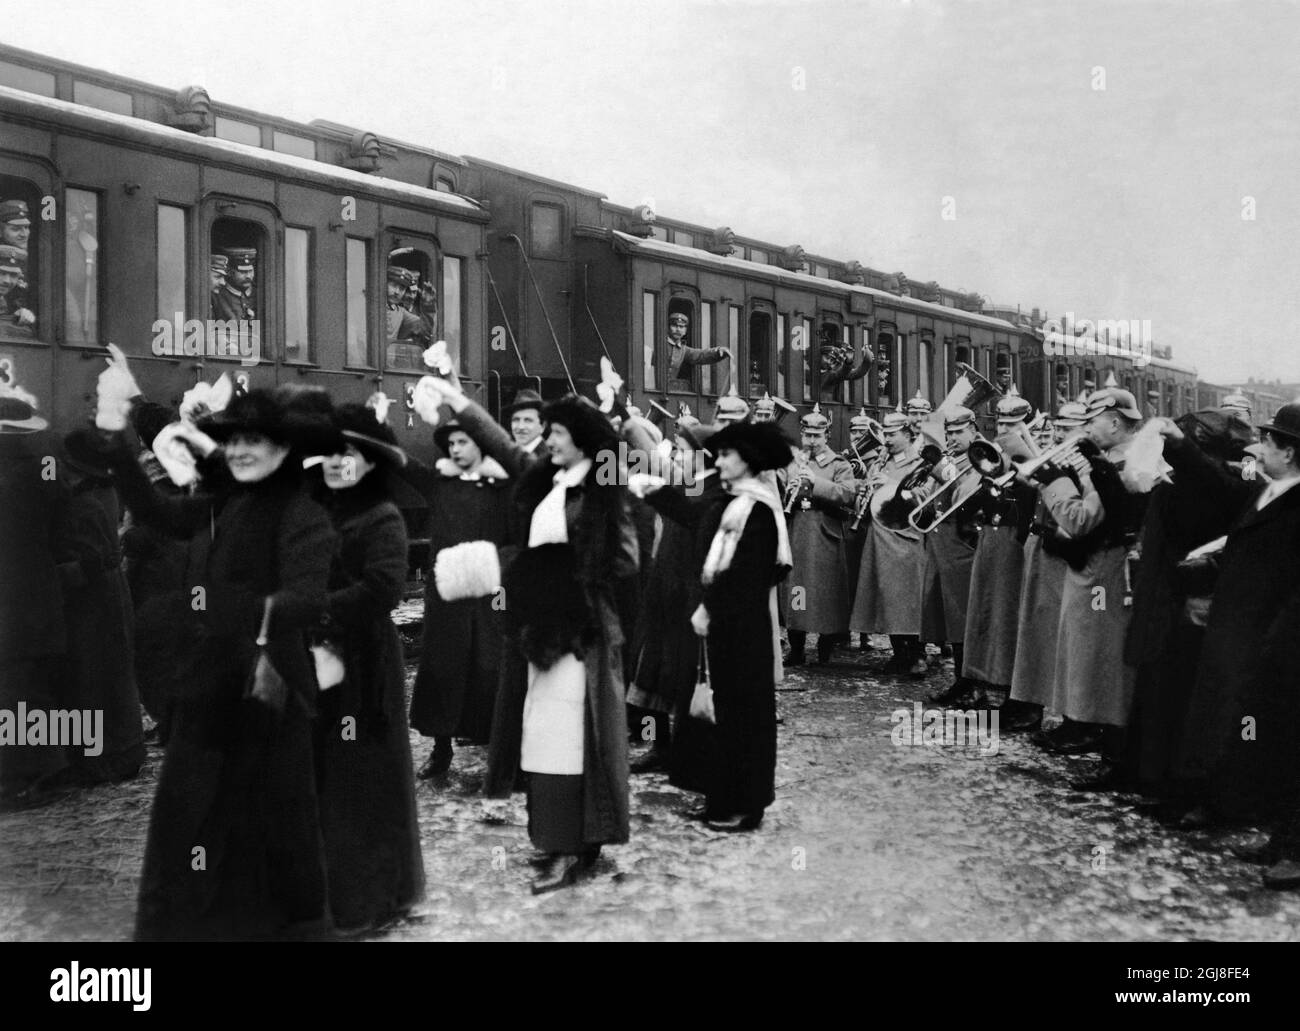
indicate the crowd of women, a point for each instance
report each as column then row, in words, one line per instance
column 267, row 553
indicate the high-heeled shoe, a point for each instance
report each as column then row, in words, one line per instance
column 559, row 872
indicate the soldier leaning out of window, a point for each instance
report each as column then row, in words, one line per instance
column 13, row 304
column 682, row 358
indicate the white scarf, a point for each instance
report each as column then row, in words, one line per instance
column 723, row 548
column 549, row 525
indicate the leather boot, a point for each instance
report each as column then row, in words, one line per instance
column 558, row 872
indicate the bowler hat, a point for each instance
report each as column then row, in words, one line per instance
column 524, row 399
column 1285, row 421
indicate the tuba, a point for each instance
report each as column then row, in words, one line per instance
column 970, row 391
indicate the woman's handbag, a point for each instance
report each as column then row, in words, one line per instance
column 265, row 685
column 702, row 699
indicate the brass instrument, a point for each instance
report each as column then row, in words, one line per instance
column 970, row 391
column 895, row 511
column 923, row 518
column 1076, row 446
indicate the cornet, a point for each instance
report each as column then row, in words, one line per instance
column 1076, row 445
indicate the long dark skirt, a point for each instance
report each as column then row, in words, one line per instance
column 555, row 813
column 741, row 755
column 234, row 849
column 460, row 664
column 367, row 801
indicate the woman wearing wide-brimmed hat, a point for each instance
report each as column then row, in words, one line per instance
column 746, row 553
column 234, row 848
column 363, row 748
column 568, row 732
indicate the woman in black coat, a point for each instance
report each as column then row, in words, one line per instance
column 234, row 847
column 746, row 554
column 363, row 747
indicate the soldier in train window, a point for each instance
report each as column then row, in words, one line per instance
column 218, row 266
column 235, row 299
column 407, row 334
column 16, row 317
column 682, row 358
column 885, row 369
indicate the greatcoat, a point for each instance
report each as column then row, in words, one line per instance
column 888, row 598
column 1038, row 618
column 816, row 597
column 949, row 554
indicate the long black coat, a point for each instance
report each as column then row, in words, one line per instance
column 460, row 661
column 739, row 774
column 32, row 633
column 1249, row 663
column 363, row 747
column 234, row 849
column 98, row 670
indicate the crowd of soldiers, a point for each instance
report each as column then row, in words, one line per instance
column 1136, row 577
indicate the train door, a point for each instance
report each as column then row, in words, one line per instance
column 886, row 385
column 546, row 284
column 27, row 295
column 765, row 346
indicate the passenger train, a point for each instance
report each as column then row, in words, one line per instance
column 131, row 187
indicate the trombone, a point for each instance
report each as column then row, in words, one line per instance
column 949, row 472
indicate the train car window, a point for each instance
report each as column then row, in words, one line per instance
column 924, row 366
column 760, row 351
column 846, row 345
column 962, row 352
column 359, row 354
column 237, row 131
column 172, row 253
column 885, row 344
column 759, row 256
column 708, row 373
column 81, row 267
column 659, row 233
column 649, row 337
column 30, row 80
column 444, row 184
column 680, row 334
column 288, row 143
column 237, row 305
column 546, row 232
column 868, row 390
column 453, row 278
column 808, row 387
column 683, row 239
column 782, row 357
column 733, row 345
column 20, row 274
column 92, row 95
column 297, row 295
column 411, row 318
column 1004, row 373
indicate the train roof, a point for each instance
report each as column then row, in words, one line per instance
column 212, row 149
column 692, row 255
column 533, row 177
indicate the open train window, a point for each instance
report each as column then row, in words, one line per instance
column 411, row 315
column 20, row 272
column 81, row 266
column 846, row 348
column 681, row 332
column 1004, row 373
column 760, row 352
column 237, row 304
column 546, row 231
column 885, row 348
column 650, row 339
column 834, row 357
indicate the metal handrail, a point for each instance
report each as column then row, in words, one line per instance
column 505, row 318
column 586, row 292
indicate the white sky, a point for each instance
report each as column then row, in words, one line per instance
column 1124, row 202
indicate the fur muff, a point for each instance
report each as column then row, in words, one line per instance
column 467, row 570
column 546, row 609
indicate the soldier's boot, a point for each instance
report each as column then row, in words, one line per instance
column 901, row 660
column 920, row 665
column 961, row 693
column 825, row 646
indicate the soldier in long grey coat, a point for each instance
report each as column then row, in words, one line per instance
column 816, row 598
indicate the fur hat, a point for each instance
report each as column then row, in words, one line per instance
column 297, row 420
column 1218, row 434
column 761, row 445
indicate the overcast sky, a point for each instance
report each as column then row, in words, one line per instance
column 1099, row 154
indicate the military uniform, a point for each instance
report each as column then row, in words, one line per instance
column 996, row 574
column 816, row 598
column 887, row 599
column 406, row 333
column 14, row 309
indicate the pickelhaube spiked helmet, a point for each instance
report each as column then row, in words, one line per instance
column 919, row 404
column 731, row 407
column 815, row 420
column 1012, row 407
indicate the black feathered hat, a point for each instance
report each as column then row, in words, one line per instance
column 300, row 419
column 1218, row 435
column 762, row 445
column 587, row 424
column 359, row 427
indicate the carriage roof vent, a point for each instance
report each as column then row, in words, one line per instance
column 193, row 110
column 363, row 152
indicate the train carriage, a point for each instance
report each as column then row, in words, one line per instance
column 125, row 214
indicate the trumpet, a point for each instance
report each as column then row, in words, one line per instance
column 1076, row 445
